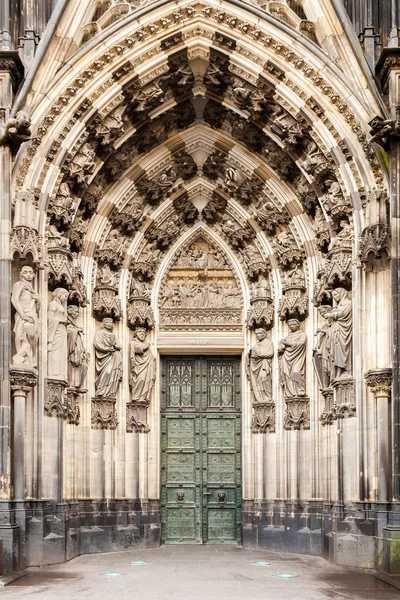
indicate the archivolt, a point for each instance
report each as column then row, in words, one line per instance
column 201, row 101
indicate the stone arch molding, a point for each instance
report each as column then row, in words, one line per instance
column 199, row 112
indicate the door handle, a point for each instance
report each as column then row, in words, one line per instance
column 207, row 493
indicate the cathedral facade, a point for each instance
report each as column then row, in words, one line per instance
column 199, row 332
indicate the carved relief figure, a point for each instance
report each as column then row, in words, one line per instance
column 259, row 367
column 140, row 288
column 57, row 321
column 78, row 358
column 337, row 347
column 26, row 326
column 108, row 361
column 143, row 368
column 292, row 361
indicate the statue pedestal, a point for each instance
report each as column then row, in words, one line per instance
column 344, row 398
column 263, row 420
column 297, row 413
column 136, row 417
column 104, row 414
column 328, row 414
column 56, row 402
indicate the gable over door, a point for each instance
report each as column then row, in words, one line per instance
column 201, row 462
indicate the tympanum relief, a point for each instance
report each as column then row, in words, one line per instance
column 200, row 291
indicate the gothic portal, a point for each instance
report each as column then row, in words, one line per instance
column 199, row 266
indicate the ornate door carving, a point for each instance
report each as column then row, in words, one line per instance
column 201, row 463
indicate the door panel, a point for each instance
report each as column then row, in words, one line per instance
column 201, row 466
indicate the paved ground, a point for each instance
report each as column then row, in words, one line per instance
column 194, row 572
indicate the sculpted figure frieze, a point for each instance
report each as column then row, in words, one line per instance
column 108, row 361
column 57, row 321
column 26, row 323
column 292, row 361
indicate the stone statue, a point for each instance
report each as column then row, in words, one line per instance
column 341, row 334
column 335, row 345
column 143, row 367
column 26, row 326
column 108, row 361
column 78, row 358
column 57, row 321
column 259, row 367
column 292, row 361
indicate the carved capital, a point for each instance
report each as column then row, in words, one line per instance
column 380, row 381
column 263, row 420
column 104, row 414
column 23, row 380
column 55, row 403
column 297, row 413
column 136, row 417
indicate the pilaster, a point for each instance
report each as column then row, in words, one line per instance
column 388, row 71
column 11, row 72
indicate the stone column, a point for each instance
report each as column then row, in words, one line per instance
column 388, row 70
column 380, row 382
column 22, row 382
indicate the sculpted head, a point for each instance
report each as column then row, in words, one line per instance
column 140, row 334
column 261, row 334
column 73, row 311
column 23, row 120
column 293, row 324
column 338, row 294
column 61, row 293
column 27, row 273
column 107, row 323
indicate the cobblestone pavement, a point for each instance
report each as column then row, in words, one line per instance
column 194, row 572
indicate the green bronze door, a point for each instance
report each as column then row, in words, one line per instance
column 201, row 463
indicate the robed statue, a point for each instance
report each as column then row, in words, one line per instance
column 26, row 325
column 292, row 361
column 143, row 368
column 259, row 367
column 57, row 321
column 108, row 361
column 333, row 354
column 78, row 358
